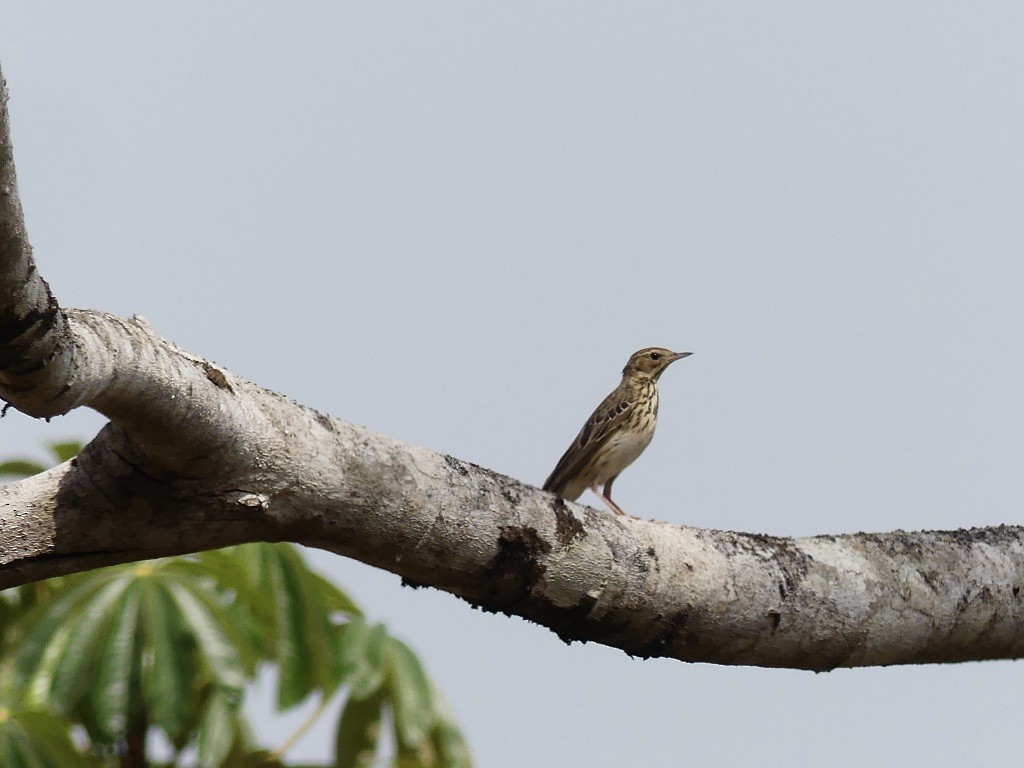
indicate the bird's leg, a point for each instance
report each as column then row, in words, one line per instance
column 606, row 496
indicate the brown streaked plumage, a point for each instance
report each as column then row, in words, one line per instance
column 617, row 432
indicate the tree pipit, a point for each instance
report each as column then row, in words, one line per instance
column 617, row 432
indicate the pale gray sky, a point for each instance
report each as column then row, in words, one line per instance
column 452, row 222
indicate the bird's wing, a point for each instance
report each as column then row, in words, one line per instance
column 604, row 421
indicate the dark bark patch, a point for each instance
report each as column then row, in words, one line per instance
column 216, row 376
column 13, row 325
column 20, row 333
column 516, row 568
column 514, row 574
column 573, row 623
column 570, row 624
column 514, row 571
column 464, row 467
column 670, row 629
column 455, row 464
column 567, row 527
column 510, row 494
column 640, row 562
column 325, row 421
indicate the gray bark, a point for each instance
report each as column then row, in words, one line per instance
column 195, row 458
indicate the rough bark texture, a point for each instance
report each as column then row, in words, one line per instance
column 195, row 458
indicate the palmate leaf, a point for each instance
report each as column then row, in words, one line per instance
column 219, row 655
column 383, row 672
column 252, row 612
column 296, row 605
column 221, row 589
column 149, row 640
column 75, row 672
column 49, row 634
column 227, row 571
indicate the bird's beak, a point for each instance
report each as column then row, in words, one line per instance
column 679, row 356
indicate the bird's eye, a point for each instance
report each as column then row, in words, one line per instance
column 655, row 356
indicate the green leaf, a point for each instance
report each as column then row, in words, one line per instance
column 213, row 584
column 39, row 684
column 225, row 570
column 24, row 751
column 450, row 746
column 217, row 731
column 63, row 451
column 337, row 601
column 293, row 683
column 304, row 653
column 37, row 740
column 21, row 468
column 286, row 610
column 60, row 641
column 24, row 600
column 361, row 656
column 113, row 683
column 169, row 687
column 449, row 743
column 411, row 696
column 92, row 615
column 213, row 641
column 356, row 743
column 285, row 597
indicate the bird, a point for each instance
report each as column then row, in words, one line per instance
column 617, row 432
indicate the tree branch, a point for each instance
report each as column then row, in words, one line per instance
column 32, row 328
column 195, row 458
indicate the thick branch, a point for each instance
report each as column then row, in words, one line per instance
column 32, row 328
column 649, row 588
column 195, row 458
